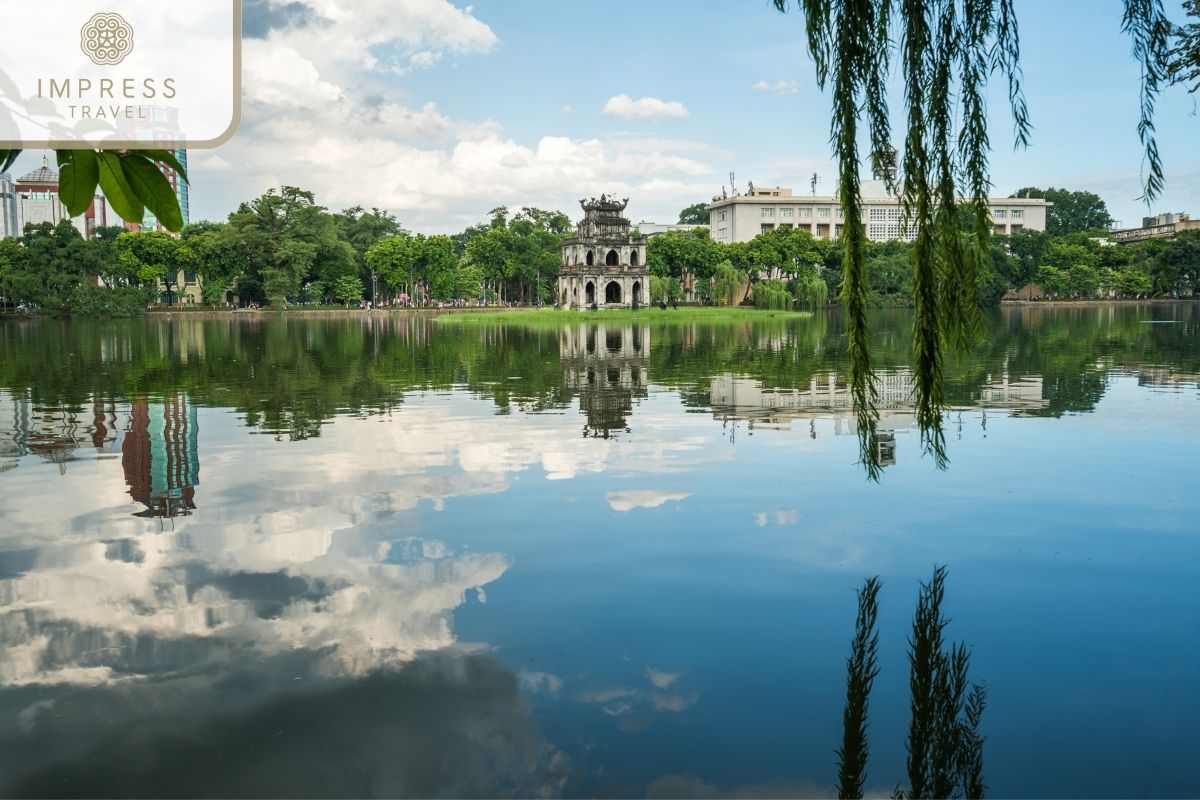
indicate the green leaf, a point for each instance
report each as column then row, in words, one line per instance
column 79, row 172
column 117, row 189
column 167, row 157
column 152, row 188
column 7, row 157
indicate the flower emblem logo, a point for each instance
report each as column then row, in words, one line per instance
column 106, row 39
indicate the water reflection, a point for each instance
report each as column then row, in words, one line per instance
column 425, row 581
column 443, row 725
column 606, row 366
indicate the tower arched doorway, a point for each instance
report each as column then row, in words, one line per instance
column 612, row 259
column 633, row 258
column 590, row 291
column 591, row 258
column 637, row 293
column 612, row 292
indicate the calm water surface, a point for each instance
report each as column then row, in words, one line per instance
column 354, row 557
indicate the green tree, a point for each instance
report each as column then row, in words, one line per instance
column 393, row 259
column 1179, row 264
column 287, row 240
column 1183, row 66
column 1029, row 249
column 1078, row 263
column 695, row 214
column 155, row 258
column 348, row 289
column 727, row 284
column 220, row 260
column 1071, row 212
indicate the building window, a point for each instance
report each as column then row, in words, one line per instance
column 768, row 213
column 767, row 227
column 823, row 213
column 1000, row 213
column 723, row 232
column 1017, row 213
column 722, row 216
column 884, row 214
column 787, row 213
column 805, row 213
column 839, row 212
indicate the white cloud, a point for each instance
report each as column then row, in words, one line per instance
column 568, row 109
column 662, row 680
column 326, row 99
column 779, row 87
column 535, row 682
column 780, row 516
column 630, row 499
column 623, row 105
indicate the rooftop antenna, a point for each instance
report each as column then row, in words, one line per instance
column 732, row 186
column 814, row 181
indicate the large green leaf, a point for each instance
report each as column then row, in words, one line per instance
column 79, row 172
column 7, row 157
column 117, row 189
column 167, row 157
column 153, row 189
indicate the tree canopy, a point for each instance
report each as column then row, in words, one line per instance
column 1071, row 212
column 695, row 214
column 1183, row 66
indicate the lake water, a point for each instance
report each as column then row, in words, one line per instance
column 388, row 556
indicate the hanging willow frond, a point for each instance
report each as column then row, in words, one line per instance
column 1148, row 27
column 948, row 51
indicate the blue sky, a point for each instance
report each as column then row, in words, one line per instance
column 440, row 111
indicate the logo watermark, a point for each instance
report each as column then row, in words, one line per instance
column 121, row 74
column 106, row 38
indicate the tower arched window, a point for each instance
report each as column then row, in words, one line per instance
column 612, row 259
column 633, row 257
column 591, row 258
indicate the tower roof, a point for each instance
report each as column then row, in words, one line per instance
column 41, row 175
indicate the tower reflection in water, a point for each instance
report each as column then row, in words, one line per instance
column 160, row 457
column 607, row 367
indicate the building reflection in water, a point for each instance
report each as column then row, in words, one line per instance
column 160, row 456
column 735, row 399
column 608, row 367
column 14, row 429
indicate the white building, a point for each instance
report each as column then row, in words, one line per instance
column 1158, row 227
column 9, row 223
column 742, row 217
column 36, row 200
column 655, row 228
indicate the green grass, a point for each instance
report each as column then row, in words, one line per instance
column 654, row 314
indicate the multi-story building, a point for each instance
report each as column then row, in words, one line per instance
column 10, row 226
column 656, row 228
column 158, row 127
column 742, row 217
column 37, row 201
column 1158, row 227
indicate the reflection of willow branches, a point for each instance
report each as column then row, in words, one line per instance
column 861, row 670
column 945, row 747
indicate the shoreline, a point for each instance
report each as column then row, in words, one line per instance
column 710, row 311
